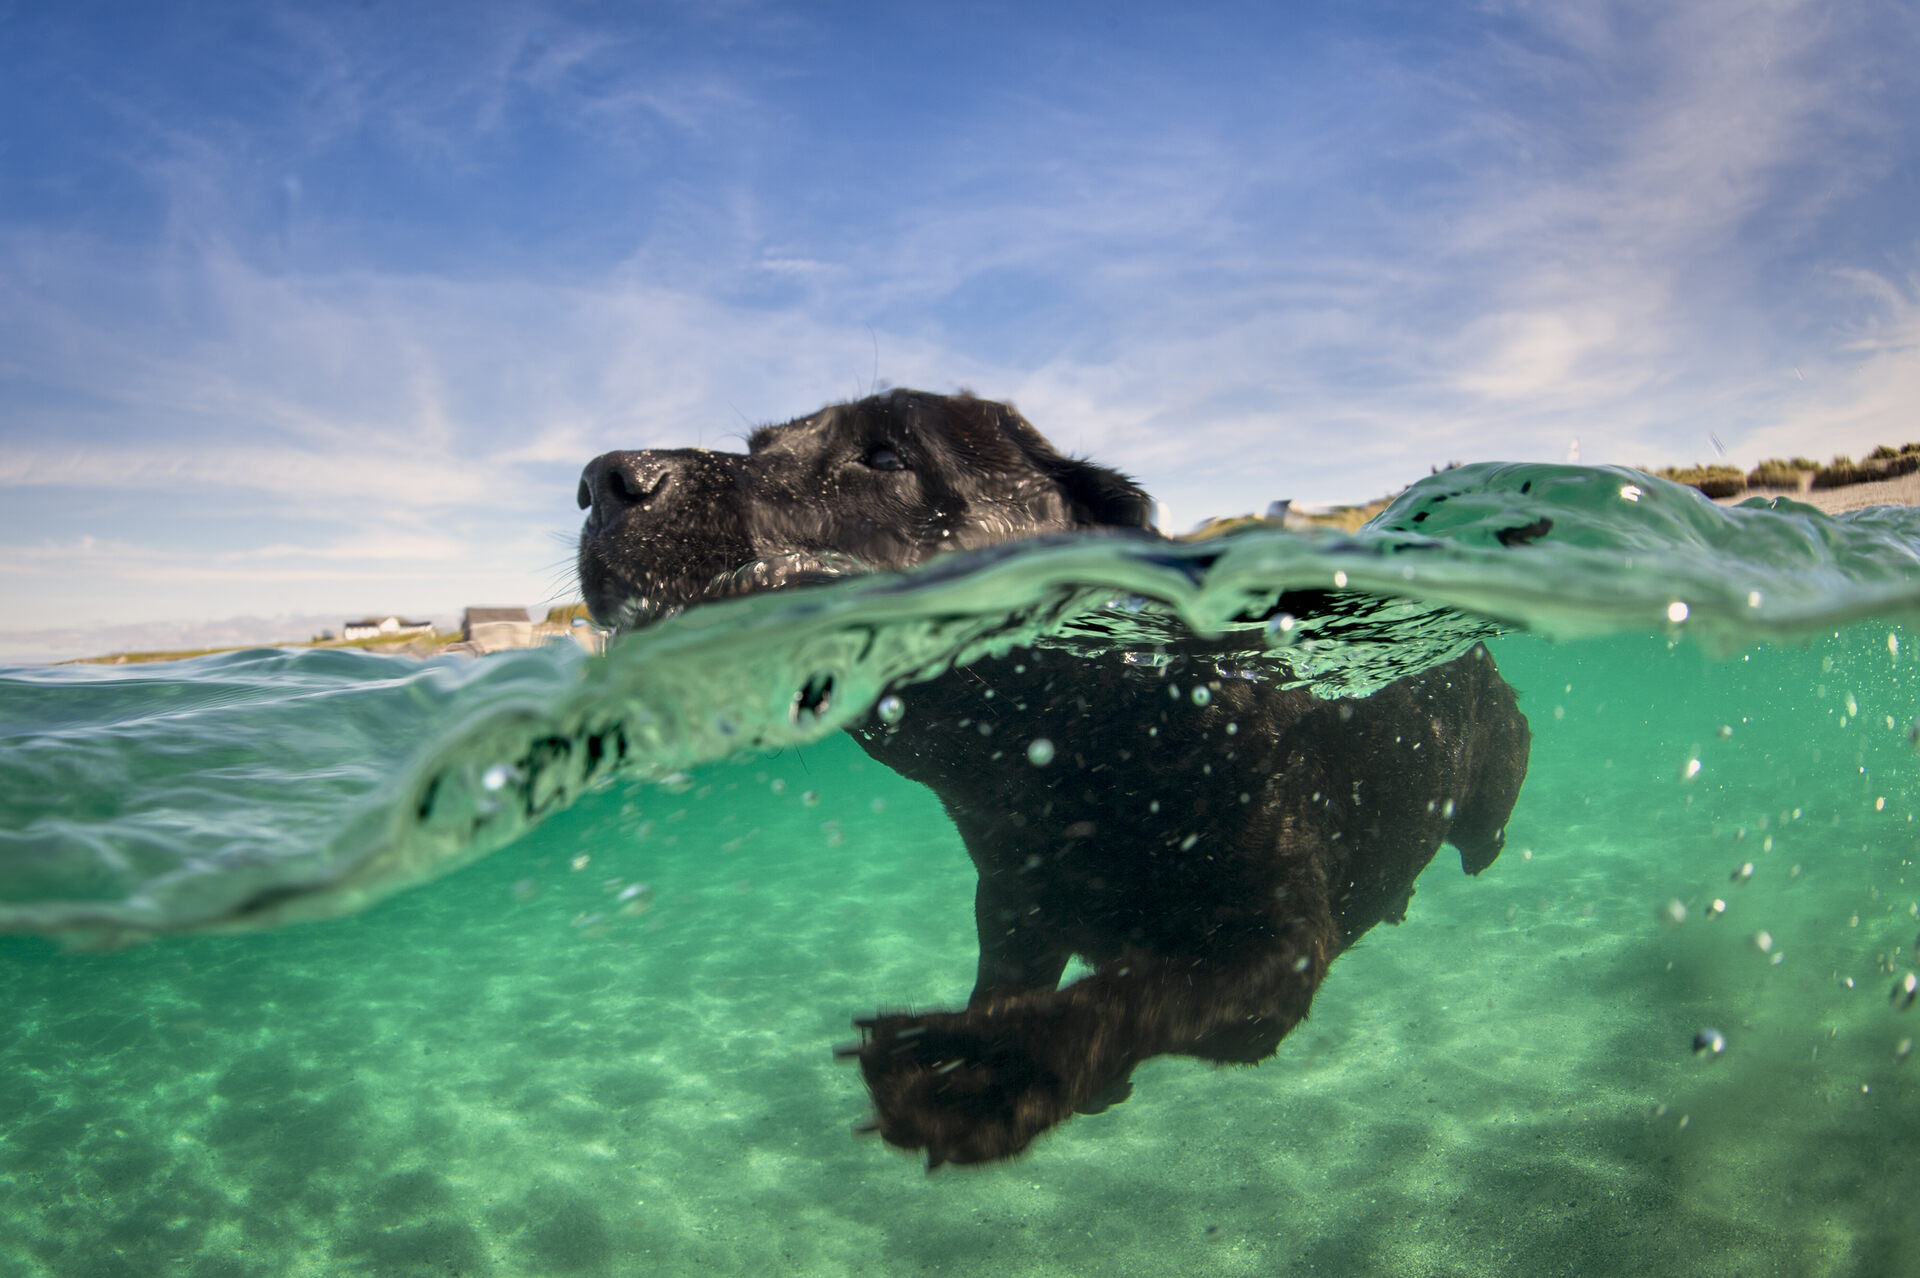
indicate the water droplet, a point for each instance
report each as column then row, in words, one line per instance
column 580, row 862
column 778, row 785
column 1690, row 769
column 891, row 709
column 1904, row 991
column 1763, row 941
column 499, row 776
column 1718, row 908
column 1040, row 752
column 1677, row 612
column 1709, row 1043
column 1743, row 872
column 1726, row 731
column 1674, row 912
column 1202, row 697
column 1340, row 580
column 810, row 797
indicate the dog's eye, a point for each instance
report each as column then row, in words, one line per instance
column 883, row 457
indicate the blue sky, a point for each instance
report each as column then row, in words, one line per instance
column 316, row 310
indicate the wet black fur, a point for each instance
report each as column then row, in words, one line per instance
column 1208, row 861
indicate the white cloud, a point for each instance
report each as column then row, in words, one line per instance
column 1579, row 228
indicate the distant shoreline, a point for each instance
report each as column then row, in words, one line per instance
column 1903, row 490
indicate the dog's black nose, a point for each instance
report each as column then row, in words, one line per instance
column 616, row 482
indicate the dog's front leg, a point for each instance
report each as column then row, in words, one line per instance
column 980, row 1084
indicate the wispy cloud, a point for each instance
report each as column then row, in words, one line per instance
column 396, row 282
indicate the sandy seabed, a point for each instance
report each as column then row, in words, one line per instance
column 504, row 1074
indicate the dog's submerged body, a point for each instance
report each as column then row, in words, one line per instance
column 1209, row 855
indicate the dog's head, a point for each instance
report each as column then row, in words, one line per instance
column 883, row 483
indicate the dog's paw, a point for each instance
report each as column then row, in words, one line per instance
column 966, row 1087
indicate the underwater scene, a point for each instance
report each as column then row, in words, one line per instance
column 325, row 963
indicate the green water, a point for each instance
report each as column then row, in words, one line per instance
column 529, row 1067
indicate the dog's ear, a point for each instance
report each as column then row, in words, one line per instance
column 1102, row 497
column 1099, row 497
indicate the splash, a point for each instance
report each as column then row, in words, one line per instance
column 258, row 788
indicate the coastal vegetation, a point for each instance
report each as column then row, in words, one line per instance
column 1796, row 474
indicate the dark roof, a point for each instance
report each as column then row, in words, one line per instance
column 478, row 616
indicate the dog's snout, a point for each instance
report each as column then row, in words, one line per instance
column 616, row 482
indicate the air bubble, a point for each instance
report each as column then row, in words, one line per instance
column 1040, row 752
column 1904, row 991
column 1202, row 697
column 499, row 776
column 1709, row 1043
column 1742, row 872
column 891, row 709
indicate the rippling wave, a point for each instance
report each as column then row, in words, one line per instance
column 255, row 788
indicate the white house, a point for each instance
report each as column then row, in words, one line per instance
column 384, row 628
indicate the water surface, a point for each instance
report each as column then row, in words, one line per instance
column 605, row 1047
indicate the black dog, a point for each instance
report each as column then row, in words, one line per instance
column 1209, row 860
